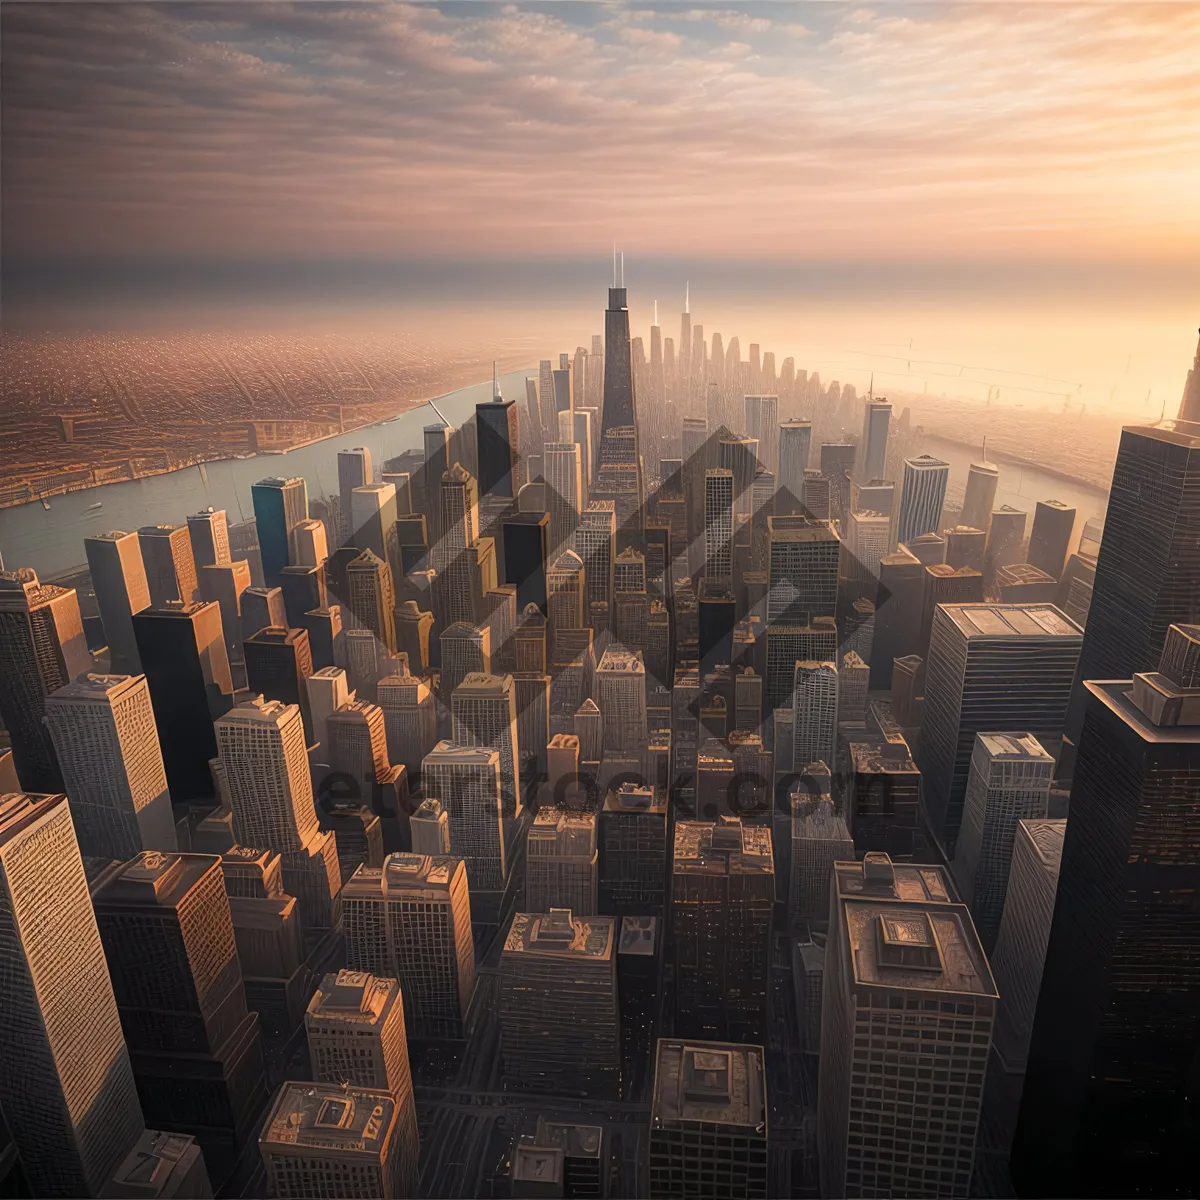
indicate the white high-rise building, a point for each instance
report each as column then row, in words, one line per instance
column 595, row 539
column 107, row 745
column 1020, row 952
column 1009, row 782
column 869, row 538
column 795, row 443
column 562, row 469
column 484, row 712
column 906, row 1029
column 67, row 1087
column 373, row 515
column 718, row 524
column 466, row 779
column 409, row 718
column 924, row 493
column 354, row 471
column 619, row 684
column 814, row 712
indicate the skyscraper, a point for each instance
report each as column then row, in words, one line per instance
column 68, row 1090
column 814, row 712
column 1118, row 1014
column 466, row 779
column 262, row 749
column 620, row 693
column 564, row 491
column 372, row 597
column 182, row 648
column 566, row 590
column 373, row 515
column 559, row 1019
column 485, row 714
column 708, row 1121
column 196, row 1049
column 1050, row 537
column 409, row 718
column 722, row 894
column 1006, row 531
column 803, row 579
column 208, row 531
column 633, row 848
column 354, row 471
column 42, row 648
column 819, row 838
column 1020, row 953
column 526, row 547
column 908, row 1006
column 877, row 417
column 278, row 664
column 795, row 441
column 411, row 919
column 983, row 478
column 718, row 524
column 922, row 498
column 561, row 861
column 322, row 1139
column 1148, row 568
column 356, row 1036
column 170, row 568
column 1009, row 782
column 595, row 539
column 107, row 744
column 990, row 666
column 498, row 444
column 279, row 506
column 619, row 470
column 119, row 581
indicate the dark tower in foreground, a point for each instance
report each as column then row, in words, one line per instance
column 1148, row 569
column 1109, row 1106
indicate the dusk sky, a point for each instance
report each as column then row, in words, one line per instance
column 493, row 153
column 814, row 131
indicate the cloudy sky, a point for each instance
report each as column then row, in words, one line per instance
column 943, row 133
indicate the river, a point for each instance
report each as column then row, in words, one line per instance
column 51, row 541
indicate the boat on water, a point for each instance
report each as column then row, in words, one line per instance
column 45, row 504
column 93, row 507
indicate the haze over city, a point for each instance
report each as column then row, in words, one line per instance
column 599, row 600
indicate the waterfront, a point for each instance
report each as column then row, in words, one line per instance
column 51, row 540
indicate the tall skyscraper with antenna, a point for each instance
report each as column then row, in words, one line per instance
column 619, row 473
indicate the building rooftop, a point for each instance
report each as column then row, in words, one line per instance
column 800, row 529
column 1118, row 697
column 427, row 874
column 146, row 1168
column 1023, row 573
column 726, row 847
column 1046, row 834
column 538, row 1164
column 925, row 461
column 575, row 1141
column 714, row 1082
column 639, row 936
column 911, row 946
column 480, row 686
column 155, row 879
column 1014, row 747
column 878, row 878
column 561, row 935
column 630, row 798
column 352, row 997
column 257, row 711
column 618, row 658
column 1012, row 621
column 96, row 686
column 337, row 1118
column 447, row 753
column 888, row 757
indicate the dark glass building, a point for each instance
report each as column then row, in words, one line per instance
column 526, row 545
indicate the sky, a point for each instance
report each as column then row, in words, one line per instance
column 1015, row 152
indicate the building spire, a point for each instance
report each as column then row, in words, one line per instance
column 687, row 296
column 656, row 312
column 615, row 264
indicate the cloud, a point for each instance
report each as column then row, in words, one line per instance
column 385, row 129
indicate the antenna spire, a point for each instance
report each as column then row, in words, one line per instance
column 656, row 312
column 614, row 264
column 622, row 259
column 495, row 385
column 984, row 451
column 871, row 388
column 687, row 296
